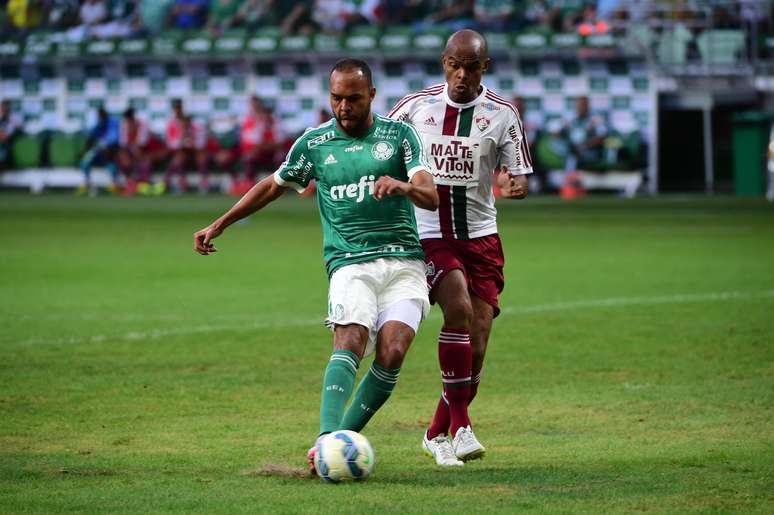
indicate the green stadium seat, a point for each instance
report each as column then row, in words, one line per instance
column 673, row 45
column 720, row 46
column 26, row 151
column 65, row 149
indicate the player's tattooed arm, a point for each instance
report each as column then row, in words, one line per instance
column 420, row 189
column 512, row 186
column 266, row 191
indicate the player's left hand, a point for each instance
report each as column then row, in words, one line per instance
column 512, row 186
column 386, row 186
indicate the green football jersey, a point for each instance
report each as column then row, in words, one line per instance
column 356, row 226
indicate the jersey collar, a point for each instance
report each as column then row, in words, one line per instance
column 463, row 106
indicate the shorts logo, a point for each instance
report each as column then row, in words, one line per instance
column 382, row 150
column 430, row 269
column 482, row 122
column 338, row 313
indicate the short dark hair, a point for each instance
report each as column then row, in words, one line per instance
column 348, row 65
column 129, row 113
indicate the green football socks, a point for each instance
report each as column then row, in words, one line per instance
column 337, row 387
column 374, row 389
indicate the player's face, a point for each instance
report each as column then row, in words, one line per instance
column 351, row 100
column 463, row 71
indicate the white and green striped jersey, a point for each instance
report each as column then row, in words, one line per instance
column 464, row 144
column 356, row 226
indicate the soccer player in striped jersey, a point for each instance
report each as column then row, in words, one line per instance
column 468, row 132
column 370, row 172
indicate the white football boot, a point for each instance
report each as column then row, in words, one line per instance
column 440, row 449
column 466, row 446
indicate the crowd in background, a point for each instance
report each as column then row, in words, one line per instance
column 257, row 144
column 76, row 20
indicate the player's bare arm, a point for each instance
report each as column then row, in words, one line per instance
column 513, row 186
column 266, row 191
column 420, row 190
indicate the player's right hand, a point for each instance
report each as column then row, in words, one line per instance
column 203, row 240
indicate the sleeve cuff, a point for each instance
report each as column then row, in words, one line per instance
column 282, row 182
column 413, row 171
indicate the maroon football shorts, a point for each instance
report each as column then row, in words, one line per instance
column 481, row 260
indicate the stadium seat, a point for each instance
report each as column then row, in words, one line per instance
column 65, row 149
column 720, row 46
column 26, row 151
column 673, row 45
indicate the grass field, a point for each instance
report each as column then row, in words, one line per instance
column 632, row 368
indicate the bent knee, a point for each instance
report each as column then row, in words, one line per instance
column 458, row 314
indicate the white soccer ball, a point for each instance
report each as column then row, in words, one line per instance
column 343, row 456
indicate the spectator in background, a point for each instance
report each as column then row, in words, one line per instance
column 189, row 14
column 223, row 146
column 253, row 14
column 333, row 16
column 61, row 14
column 449, row 14
column 187, row 144
column 295, row 17
column 587, row 134
column 23, row 15
column 10, row 127
column 495, row 15
column 404, row 12
column 260, row 141
column 101, row 148
column 153, row 15
column 93, row 12
column 223, row 16
column 139, row 149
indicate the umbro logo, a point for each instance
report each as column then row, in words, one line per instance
column 330, row 160
column 430, row 121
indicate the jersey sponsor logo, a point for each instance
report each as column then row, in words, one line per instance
column 381, row 250
column 431, row 121
column 490, row 106
column 354, row 148
column 301, row 169
column 383, row 133
column 515, row 136
column 330, row 160
column 355, row 190
column 382, row 150
column 408, row 154
column 454, row 158
column 319, row 140
column 482, row 122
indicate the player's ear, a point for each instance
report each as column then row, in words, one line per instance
column 372, row 93
column 485, row 67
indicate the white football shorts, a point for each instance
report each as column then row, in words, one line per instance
column 375, row 292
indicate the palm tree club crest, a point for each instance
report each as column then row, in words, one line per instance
column 382, row 150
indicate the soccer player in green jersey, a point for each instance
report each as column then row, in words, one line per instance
column 369, row 171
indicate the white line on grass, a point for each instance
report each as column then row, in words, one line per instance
column 508, row 310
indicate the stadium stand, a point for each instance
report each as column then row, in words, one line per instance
column 57, row 64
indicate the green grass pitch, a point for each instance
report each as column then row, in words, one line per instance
column 632, row 368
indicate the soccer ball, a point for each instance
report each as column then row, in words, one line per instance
column 344, row 456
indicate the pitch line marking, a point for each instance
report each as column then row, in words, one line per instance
column 508, row 310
